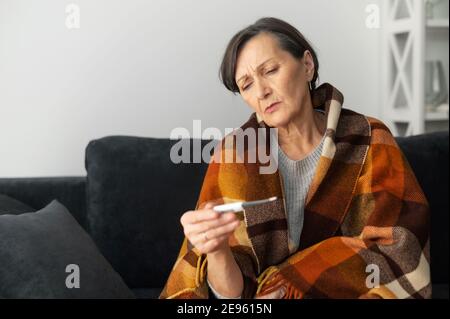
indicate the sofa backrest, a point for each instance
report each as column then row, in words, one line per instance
column 38, row 192
column 428, row 156
column 136, row 196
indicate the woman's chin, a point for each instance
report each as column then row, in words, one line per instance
column 276, row 120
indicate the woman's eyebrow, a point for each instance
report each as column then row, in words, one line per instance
column 258, row 67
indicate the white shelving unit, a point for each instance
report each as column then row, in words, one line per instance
column 409, row 39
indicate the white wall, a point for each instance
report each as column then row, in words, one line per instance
column 142, row 68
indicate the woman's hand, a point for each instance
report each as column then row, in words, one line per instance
column 207, row 229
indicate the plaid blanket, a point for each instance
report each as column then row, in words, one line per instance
column 366, row 219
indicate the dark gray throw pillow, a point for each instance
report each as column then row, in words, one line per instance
column 44, row 253
column 10, row 205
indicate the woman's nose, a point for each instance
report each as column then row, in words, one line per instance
column 262, row 90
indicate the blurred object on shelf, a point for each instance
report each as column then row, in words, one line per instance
column 436, row 9
column 443, row 108
column 436, row 92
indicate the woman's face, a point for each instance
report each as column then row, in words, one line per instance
column 266, row 74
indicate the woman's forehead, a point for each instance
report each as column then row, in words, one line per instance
column 256, row 53
column 258, row 49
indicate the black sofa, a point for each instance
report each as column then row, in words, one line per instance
column 132, row 198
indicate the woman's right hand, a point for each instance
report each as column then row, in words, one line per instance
column 209, row 230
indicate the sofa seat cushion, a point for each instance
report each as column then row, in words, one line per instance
column 440, row 291
column 147, row 293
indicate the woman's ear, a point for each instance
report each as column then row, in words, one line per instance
column 308, row 62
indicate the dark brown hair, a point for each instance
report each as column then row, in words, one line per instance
column 289, row 39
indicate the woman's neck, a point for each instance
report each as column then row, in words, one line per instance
column 302, row 135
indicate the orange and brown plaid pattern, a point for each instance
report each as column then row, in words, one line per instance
column 364, row 210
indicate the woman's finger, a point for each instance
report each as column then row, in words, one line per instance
column 215, row 233
column 209, row 205
column 222, row 230
column 213, row 244
column 192, row 229
column 212, row 238
column 198, row 216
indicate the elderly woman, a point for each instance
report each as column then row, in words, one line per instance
column 350, row 219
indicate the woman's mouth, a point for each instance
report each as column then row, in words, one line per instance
column 272, row 108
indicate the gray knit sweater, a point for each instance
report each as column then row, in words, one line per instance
column 297, row 177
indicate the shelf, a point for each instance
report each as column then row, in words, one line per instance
column 437, row 24
column 436, row 116
column 402, row 115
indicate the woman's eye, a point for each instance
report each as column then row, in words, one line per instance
column 271, row 71
column 246, row 87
